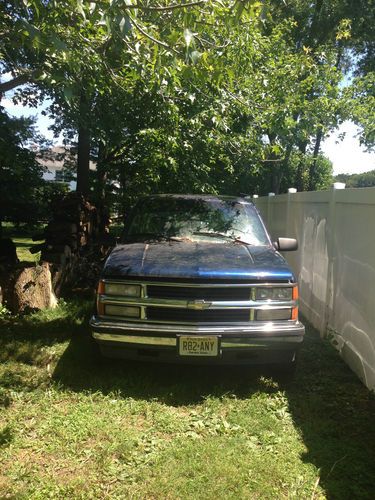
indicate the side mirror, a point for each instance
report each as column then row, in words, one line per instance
column 285, row 244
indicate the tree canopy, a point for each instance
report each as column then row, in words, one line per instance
column 24, row 196
column 223, row 96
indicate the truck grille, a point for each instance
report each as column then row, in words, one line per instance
column 198, row 293
column 192, row 316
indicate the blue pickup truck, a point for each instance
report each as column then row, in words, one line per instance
column 197, row 279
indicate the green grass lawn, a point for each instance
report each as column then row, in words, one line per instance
column 75, row 426
column 23, row 241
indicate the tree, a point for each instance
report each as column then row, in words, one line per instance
column 215, row 95
column 20, row 173
column 71, row 49
column 365, row 179
column 345, row 28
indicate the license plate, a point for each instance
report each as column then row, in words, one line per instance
column 198, row 346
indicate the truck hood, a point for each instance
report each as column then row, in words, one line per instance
column 196, row 260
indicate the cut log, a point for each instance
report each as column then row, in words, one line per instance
column 32, row 289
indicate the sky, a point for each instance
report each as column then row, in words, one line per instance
column 347, row 156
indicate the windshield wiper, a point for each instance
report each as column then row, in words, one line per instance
column 214, row 234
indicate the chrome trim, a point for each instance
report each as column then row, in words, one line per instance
column 265, row 328
column 184, row 324
column 240, row 342
column 199, row 285
column 132, row 339
column 172, row 341
column 185, row 304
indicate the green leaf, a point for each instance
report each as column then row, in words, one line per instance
column 58, row 43
column 188, row 35
column 80, row 9
column 108, row 24
column 68, row 94
column 125, row 25
column 195, row 56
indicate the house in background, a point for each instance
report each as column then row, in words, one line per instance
column 60, row 163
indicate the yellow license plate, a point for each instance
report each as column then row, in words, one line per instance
column 198, row 346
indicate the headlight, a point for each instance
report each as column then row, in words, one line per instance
column 122, row 289
column 128, row 311
column 274, row 293
column 273, row 314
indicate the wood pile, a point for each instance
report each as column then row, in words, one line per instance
column 76, row 241
column 74, row 226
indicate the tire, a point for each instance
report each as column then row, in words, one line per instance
column 286, row 371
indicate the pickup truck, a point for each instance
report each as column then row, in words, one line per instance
column 196, row 279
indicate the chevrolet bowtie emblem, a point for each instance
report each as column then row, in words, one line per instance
column 199, row 305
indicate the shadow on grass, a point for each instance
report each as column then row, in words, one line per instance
column 82, row 368
column 333, row 411
column 26, row 244
column 22, row 338
column 335, row 414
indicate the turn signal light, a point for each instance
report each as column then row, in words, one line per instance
column 100, row 305
column 295, row 309
column 295, row 313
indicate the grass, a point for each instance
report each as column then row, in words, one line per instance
column 74, row 425
column 23, row 241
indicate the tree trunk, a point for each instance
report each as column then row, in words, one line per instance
column 315, row 22
column 312, row 171
column 285, row 168
column 275, row 166
column 299, row 176
column 83, row 160
column 102, row 175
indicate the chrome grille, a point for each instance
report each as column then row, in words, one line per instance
column 191, row 302
column 198, row 293
column 191, row 316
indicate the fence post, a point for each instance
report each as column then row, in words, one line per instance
column 270, row 228
column 287, row 218
column 331, row 250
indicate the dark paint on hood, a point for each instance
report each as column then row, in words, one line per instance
column 196, row 260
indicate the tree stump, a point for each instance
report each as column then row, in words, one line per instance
column 30, row 289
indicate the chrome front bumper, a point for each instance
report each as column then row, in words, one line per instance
column 285, row 334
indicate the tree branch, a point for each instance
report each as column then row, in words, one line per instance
column 247, row 104
column 16, row 81
column 155, row 40
column 168, row 7
column 203, row 41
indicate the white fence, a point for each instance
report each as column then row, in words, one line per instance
column 335, row 265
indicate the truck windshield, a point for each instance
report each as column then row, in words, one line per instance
column 195, row 219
